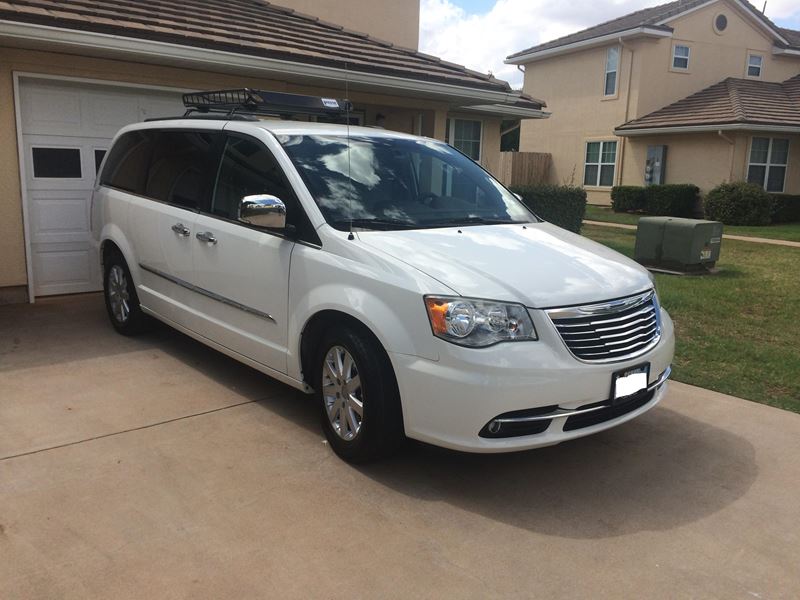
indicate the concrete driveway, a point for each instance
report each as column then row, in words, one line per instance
column 157, row 468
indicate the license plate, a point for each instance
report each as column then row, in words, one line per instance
column 629, row 382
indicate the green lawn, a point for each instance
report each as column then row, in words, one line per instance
column 783, row 231
column 738, row 332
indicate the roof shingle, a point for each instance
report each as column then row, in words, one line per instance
column 729, row 102
column 251, row 27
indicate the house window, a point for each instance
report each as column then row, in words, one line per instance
column 768, row 160
column 465, row 135
column 680, row 57
column 601, row 159
column 754, row 65
column 612, row 67
column 56, row 163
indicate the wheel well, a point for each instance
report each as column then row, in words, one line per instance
column 315, row 329
column 108, row 248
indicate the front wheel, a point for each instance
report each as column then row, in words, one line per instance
column 357, row 392
column 122, row 303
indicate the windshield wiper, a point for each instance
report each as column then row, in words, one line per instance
column 473, row 220
column 376, row 223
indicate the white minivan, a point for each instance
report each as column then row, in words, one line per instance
column 387, row 274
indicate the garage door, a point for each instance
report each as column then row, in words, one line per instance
column 66, row 131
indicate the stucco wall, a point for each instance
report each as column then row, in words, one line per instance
column 572, row 84
column 395, row 21
column 401, row 114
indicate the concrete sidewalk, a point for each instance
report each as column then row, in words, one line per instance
column 741, row 238
column 157, row 468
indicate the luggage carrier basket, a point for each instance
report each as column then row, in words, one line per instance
column 246, row 102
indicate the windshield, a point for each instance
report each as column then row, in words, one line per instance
column 391, row 183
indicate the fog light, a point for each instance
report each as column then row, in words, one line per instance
column 494, row 426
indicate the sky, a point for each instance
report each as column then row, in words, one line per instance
column 481, row 33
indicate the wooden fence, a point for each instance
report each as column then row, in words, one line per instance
column 524, row 168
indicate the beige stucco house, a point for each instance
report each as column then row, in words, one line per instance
column 694, row 91
column 72, row 72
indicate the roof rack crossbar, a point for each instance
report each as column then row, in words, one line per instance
column 248, row 101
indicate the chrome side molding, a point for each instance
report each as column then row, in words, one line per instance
column 207, row 293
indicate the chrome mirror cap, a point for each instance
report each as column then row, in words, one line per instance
column 263, row 210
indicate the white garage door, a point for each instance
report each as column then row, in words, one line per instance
column 66, row 130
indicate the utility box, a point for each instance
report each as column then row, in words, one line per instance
column 671, row 243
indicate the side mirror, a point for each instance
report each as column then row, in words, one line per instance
column 263, row 210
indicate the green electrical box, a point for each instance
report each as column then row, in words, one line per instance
column 671, row 243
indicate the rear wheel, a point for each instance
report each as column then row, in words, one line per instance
column 122, row 303
column 358, row 396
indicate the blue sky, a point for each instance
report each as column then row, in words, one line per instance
column 481, row 33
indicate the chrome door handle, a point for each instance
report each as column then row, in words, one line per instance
column 206, row 236
column 181, row 229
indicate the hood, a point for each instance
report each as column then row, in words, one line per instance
column 540, row 266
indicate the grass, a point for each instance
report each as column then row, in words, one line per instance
column 782, row 231
column 738, row 332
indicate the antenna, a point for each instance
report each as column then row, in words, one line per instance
column 764, row 10
column 350, row 236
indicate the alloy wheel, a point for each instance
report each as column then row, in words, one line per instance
column 342, row 393
column 118, row 297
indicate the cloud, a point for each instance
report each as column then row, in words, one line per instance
column 482, row 40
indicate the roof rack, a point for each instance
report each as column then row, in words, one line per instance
column 246, row 101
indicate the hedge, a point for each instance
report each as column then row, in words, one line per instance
column 560, row 205
column 785, row 208
column 627, row 198
column 671, row 200
column 739, row 203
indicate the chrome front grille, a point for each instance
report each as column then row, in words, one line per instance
column 610, row 331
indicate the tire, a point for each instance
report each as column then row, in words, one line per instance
column 122, row 302
column 378, row 430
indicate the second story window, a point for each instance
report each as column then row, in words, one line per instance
column 680, row 57
column 754, row 64
column 612, row 67
column 601, row 160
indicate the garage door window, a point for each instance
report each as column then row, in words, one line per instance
column 99, row 155
column 57, row 163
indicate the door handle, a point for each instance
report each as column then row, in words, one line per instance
column 206, row 236
column 181, row 229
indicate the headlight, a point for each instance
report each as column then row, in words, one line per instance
column 478, row 323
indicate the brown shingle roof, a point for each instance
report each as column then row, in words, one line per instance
column 251, row 27
column 649, row 17
column 729, row 102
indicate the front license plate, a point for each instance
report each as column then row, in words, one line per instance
column 629, row 382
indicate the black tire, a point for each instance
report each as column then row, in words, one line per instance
column 380, row 430
column 135, row 321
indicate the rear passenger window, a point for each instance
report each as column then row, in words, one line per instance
column 126, row 167
column 249, row 168
column 182, row 168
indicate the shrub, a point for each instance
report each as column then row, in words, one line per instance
column 739, row 203
column 671, row 200
column 562, row 205
column 627, row 198
column 785, row 208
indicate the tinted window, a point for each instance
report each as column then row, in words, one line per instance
column 182, row 168
column 126, row 167
column 249, row 168
column 57, row 163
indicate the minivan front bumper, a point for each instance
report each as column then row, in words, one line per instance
column 452, row 401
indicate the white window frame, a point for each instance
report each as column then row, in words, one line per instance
column 600, row 164
column 688, row 58
column 769, row 164
column 608, row 71
column 451, row 138
column 750, row 56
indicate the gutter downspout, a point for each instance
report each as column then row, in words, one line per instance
column 731, row 153
column 623, row 144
